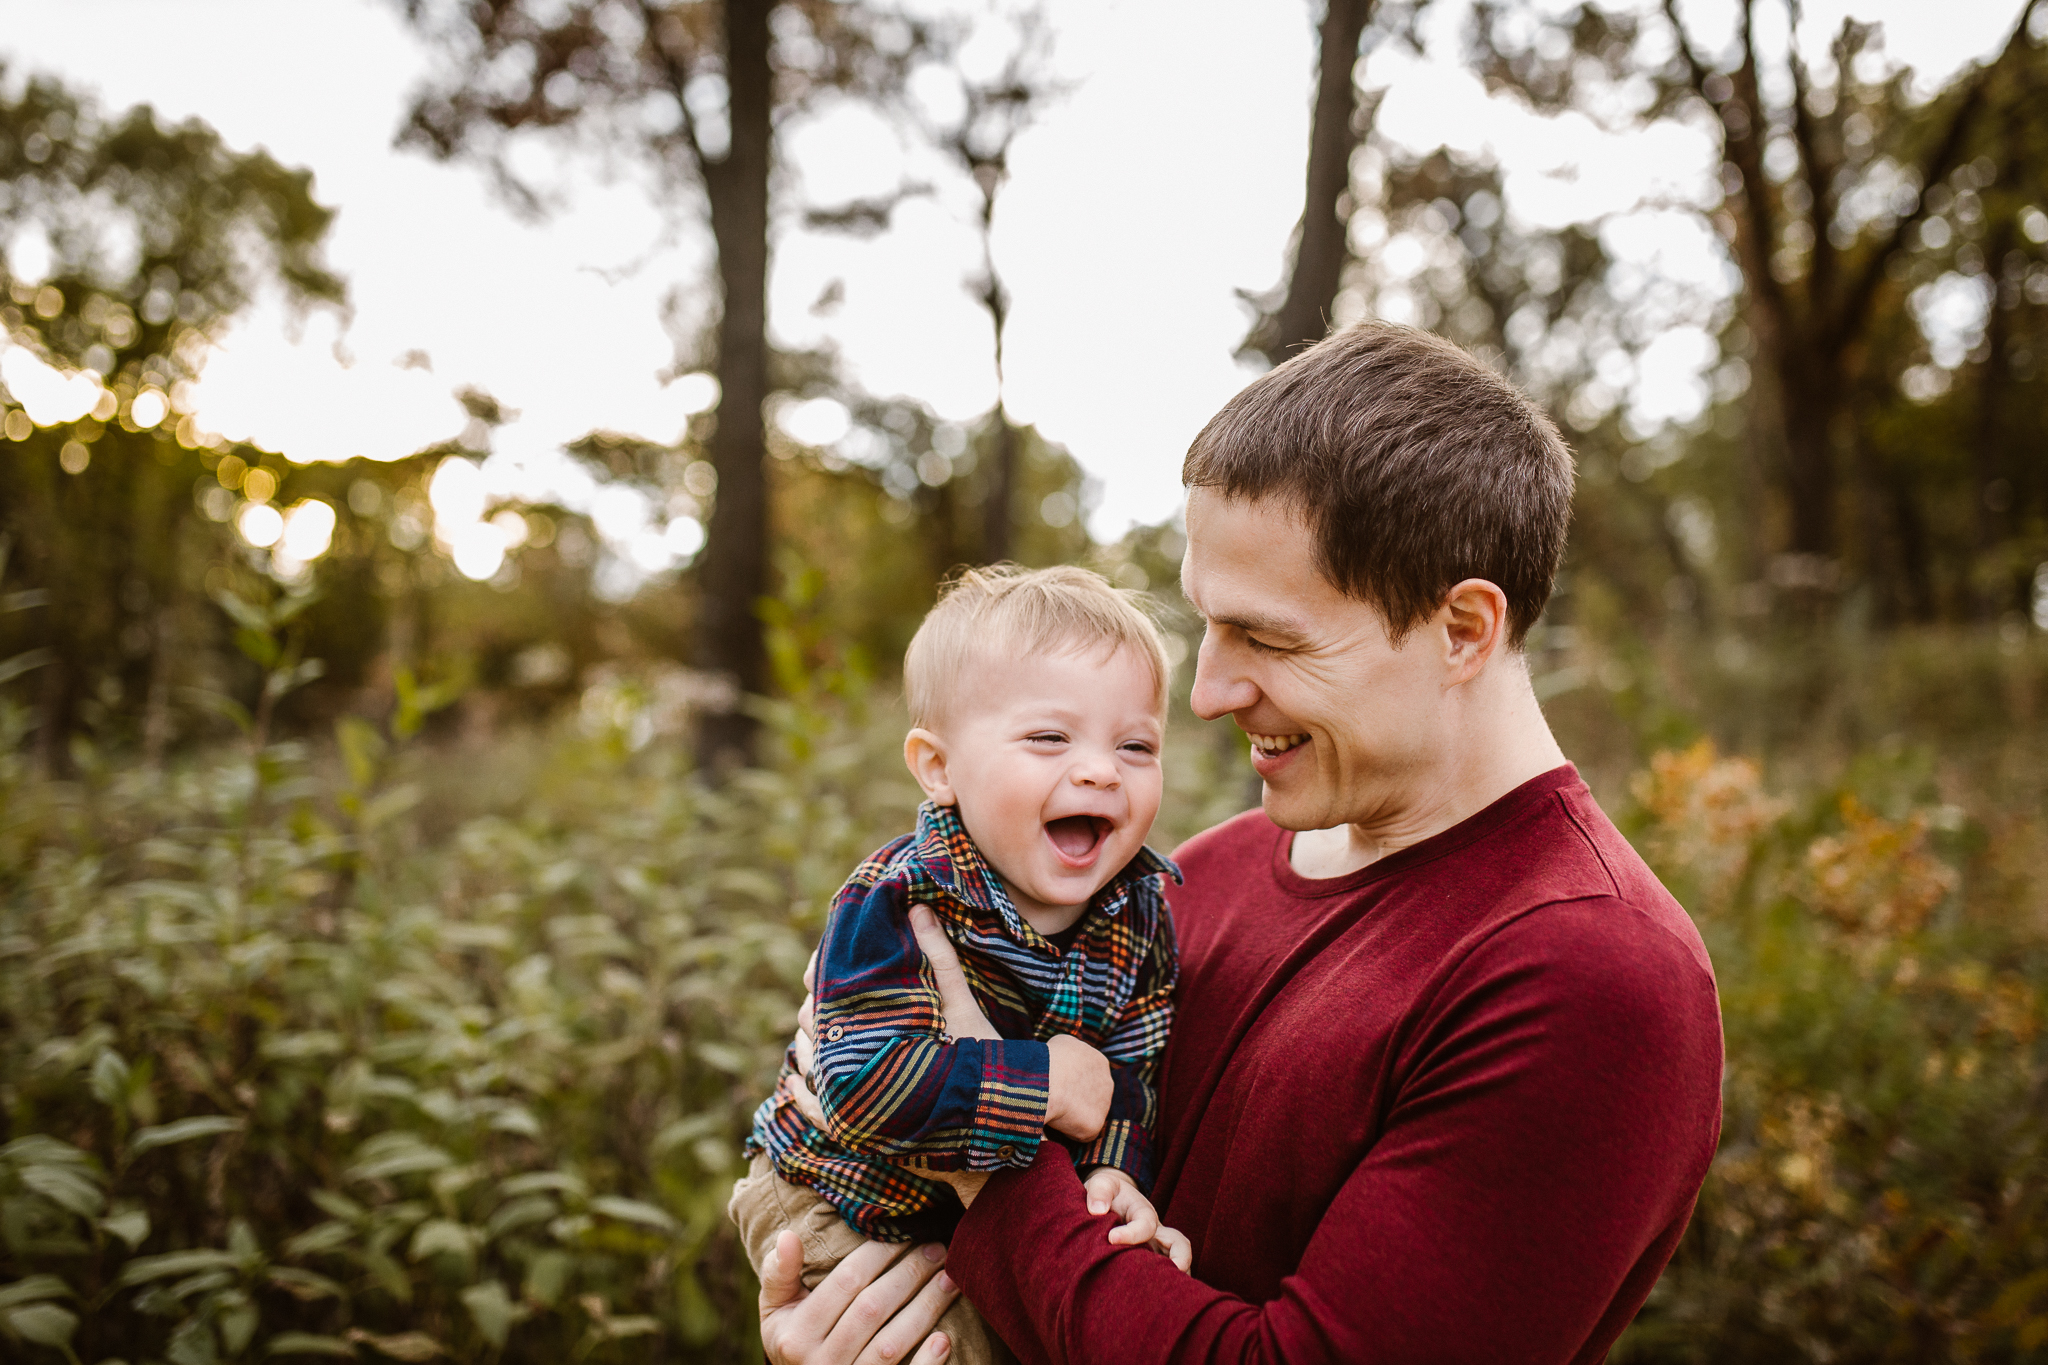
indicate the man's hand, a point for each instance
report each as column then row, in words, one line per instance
column 1113, row 1191
column 873, row 1307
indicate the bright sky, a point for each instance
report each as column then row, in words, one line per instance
column 1170, row 177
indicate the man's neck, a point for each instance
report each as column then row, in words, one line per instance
column 1500, row 745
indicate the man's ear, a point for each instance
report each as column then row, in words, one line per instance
column 924, row 753
column 1475, row 621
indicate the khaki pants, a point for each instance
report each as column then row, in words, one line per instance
column 763, row 1204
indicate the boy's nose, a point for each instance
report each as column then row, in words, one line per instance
column 1096, row 770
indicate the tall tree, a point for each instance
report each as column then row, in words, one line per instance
column 1298, row 313
column 156, row 237
column 696, row 89
column 994, row 113
column 1827, row 186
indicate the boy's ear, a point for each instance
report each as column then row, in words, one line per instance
column 924, row 753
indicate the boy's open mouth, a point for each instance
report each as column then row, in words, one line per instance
column 1077, row 837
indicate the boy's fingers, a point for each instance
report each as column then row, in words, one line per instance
column 806, row 1100
column 1101, row 1188
column 1176, row 1245
column 964, row 1018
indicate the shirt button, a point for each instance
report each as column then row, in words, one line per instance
column 836, row 1032
column 1006, row 1153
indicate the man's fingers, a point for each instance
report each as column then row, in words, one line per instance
column 964, row 1018
column 1101, row 1187
column 802, row 1332
column 807, row 1018
column 937, row 1347
column 782, row 1274
column 872, row 1307
column 915, row 1326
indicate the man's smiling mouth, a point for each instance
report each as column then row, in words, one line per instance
column 1077, row 838
column 1272, row 746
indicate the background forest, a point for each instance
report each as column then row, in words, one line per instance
column 406, row 870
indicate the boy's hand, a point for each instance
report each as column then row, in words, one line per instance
column 1080, row 1088
column 1113, row 1191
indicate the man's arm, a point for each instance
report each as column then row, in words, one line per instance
column 1540, row 1161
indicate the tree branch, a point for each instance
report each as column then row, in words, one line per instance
column 1941, row 160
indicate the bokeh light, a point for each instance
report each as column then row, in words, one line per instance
column 49, row 396
column 478, row 550
column 457, row 494
column 149, row 408
column 260, row 524
column 308, row 530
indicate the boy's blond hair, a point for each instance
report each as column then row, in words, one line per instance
column 1008, row 611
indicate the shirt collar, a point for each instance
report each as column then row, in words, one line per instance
column 943, row 848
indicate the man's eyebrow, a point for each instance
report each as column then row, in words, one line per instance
column 1255, row 624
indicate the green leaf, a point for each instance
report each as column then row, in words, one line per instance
column 16, row 665
column 130, row 1224
column 362, row 750
column 633, row 1211
column 143, row 1269
column 304, row 1285
column 67, row 1187
column 302, row 1046
column 308, row 1344
column 237, row 1324
column 34, row 1289
column 413, row 1346
column 493, row 1310
column 534, row 1182
column 388, row 806
column 443, row 1237
column 109, row 1078
column 318, row 1238
column 184, row 1130
column 258, row 647
column 245, row 613
column 224, row 706
column 45, row 1324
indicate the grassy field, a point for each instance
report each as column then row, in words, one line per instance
column 392, row 1049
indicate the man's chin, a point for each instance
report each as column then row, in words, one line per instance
column 1289, row 811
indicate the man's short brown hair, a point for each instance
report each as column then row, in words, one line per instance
column 1415, row 466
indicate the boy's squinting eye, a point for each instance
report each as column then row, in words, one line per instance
column 1047, row 737
column 1139, row 746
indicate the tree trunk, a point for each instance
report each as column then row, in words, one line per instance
column 1002, row 485
column 1321, row 251
column 735, row 563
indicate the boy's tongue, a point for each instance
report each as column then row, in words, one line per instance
column 1073, row 835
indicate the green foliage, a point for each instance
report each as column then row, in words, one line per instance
column 286, row 1075
column 1883, row 1174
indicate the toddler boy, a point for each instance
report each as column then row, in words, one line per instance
column 1037, row 703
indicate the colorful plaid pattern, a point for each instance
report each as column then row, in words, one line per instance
column 897, row 1090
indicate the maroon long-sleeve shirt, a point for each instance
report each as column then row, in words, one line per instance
column 1455, row 1106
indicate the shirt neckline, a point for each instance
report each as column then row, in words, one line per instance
column 1472, row 828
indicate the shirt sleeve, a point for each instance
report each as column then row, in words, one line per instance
column 1537, row 1168
column 891, row 1085
column 1136, row 1042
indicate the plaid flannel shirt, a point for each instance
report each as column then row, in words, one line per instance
column 898, row 1090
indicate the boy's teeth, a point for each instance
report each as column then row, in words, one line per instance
column 1277, row 744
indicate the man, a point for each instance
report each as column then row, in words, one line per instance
column 1445, row 1077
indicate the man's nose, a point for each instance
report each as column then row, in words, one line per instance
column 1220, row 688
